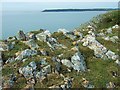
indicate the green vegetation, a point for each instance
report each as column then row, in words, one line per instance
column 109, row 45
column 37, row 31
column 103, row 21
column 19, row 46
column 99, row 71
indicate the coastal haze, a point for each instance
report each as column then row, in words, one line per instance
column 28, row 16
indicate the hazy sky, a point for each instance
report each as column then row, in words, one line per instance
column 59, row 0
column 23, row 6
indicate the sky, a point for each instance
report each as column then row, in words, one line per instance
column 59, row 0
column 32, row 6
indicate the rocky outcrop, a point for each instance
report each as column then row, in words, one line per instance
column 3, row 46
column 21, row 35
column 99, row 50
column 111, row 55
column 86, row 83
column 11, row 38
column 67, row 63
column 32, row 44
column 78, row 62
column 26, row 53
column 43, row 36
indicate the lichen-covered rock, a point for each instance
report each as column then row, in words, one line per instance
column 46, row 69
column 43, row 36
column 78, row 62
column 115, row 26
column 32, row 44
column 111, row 55
column 31, row 36
column 21, row 35
column 3, row 46
column 114, row 39
column 86, row 83
column 67, row 63
column 26, row 53
column 93, row 44
column 33, row 65
column 10, row 60
column 43, row 61
column 11, row 38
column 28, row 71
column 11, row 45
column 109, row 30
column 117, row 62
column 110, row 85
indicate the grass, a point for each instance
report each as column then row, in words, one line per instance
column 37, row 31
column 103, row 21
column 109, row 44
column 99, row 73
column 19, row 46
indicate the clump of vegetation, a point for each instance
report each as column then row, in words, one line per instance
column 103, row 21
column 19, row 46
column 109, row 44
column 37, row 31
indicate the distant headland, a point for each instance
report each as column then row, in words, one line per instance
column 79, row 10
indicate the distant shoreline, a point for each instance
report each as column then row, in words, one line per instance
column 78, row 10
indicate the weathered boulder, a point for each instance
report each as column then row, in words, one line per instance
column 68, row 82
column 110, row 85
column 111, row 55
column 43, row 36
column 115, row 27
column 12, row 79
column 31, row 36
column 33, row 65
column 11, row 38
column 46, row 69
column 117, row 62
column 43, row 61
column 10, row 60
column 28, row 71
column 109, row 30
column 93, row 44
column 11, row 45
column 86, row 83
column 114, row 39
column 64, row 31
column 67, row 63
column 78, row 34
column 32, row 44
column 3, row 46
column 78, row 62
column 26, row 53
column 58, row 67
column 21, row 35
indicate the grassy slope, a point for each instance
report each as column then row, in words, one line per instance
column 99, row 73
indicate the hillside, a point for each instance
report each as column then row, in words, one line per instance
column 87, row 57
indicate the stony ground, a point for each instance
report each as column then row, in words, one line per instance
column 87, row 57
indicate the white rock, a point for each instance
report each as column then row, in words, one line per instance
column 109, row 30
column 115, row 27
column 33, row 65
column 67, row 63
column 117, row 62
column 111, row 55
column 78, row 62
column 46, row 69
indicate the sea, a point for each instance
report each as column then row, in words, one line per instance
column 13, row 21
